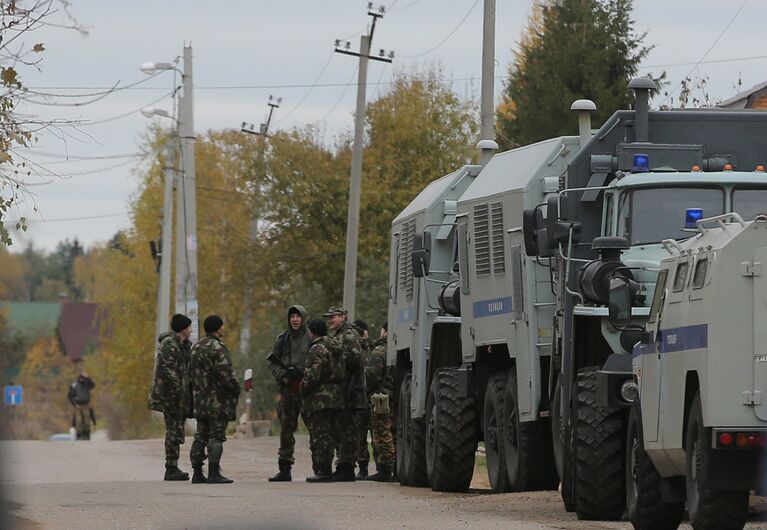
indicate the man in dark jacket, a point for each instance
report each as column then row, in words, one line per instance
column 171, row 390
column 287, row 362
column 79, row 396
column 322, row 394
column 215, row 390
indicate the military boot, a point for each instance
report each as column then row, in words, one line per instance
column 382, row 474
column 344, row 473
column 284, row 474
column 215, row 476
column 363, row 472
column 323, row 474
column 198, row 477
column 172, row 472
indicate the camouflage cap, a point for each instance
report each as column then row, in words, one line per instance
column 335, row 310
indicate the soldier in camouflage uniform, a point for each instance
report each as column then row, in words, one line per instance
column 363, row 451
column 322, row 400
column 287, row 362
column 171, row 390
column 380, row 388
column 215, row 390
column 346, row 338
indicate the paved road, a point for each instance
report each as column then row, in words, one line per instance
column 63, row 485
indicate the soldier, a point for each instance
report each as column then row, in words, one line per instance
column 345, row 338
column 215, row 389
column 380, row 387
column 322, row 398
column 363, row 452
column 171, row 391
column 286, row 362
column 79, row 396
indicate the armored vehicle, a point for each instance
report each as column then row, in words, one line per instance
column 499, row 295
column 699, row 426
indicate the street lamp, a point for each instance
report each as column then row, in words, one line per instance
column 186, row 214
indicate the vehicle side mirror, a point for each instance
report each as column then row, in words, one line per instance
column 620, row 299
column 421, row 257
column 542, row 239
column 529, row 232
column 248, row 379
column 559, row 231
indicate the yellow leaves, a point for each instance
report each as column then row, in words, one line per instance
column 38, row 48
column 9, row 76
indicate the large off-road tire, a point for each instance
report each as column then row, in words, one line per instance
column 527, row 446
column 562, row 448
column 599, row 450
column 451, row 433
column 644, row 504
column 494, row 431
column 708, row 509
column 411, row 456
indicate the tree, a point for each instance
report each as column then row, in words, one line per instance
column 572, row 49
column 18, row 19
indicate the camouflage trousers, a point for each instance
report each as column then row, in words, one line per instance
column 322, row 426
column 348, row 435
column 363, row 452
column 174, row 437
column 288, row 413
column 383, row 440
column 210, row 435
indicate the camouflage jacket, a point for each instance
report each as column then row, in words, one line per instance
column 377, row 375
column 347, row 340
column 171, row 391
column 215, row 388
column 323, row 379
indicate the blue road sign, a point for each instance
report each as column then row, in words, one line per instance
column 14, row 395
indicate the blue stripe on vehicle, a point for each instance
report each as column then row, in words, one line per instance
column 494, row 306
column 405, row 315
column 676, row 339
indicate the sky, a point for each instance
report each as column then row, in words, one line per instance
column 246, row 50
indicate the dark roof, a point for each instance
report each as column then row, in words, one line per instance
column 78, row 329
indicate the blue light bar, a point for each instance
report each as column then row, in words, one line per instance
column 641, row 164
column 691, row 216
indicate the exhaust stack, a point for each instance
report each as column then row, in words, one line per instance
column 641, row 87
column 584, row 108
column 487, row 148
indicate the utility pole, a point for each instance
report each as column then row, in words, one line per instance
column 355, row 186
column 186, row 245
column 263, row 132
column 487, row 104
column 163, row 292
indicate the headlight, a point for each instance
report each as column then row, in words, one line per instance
column 629, row 391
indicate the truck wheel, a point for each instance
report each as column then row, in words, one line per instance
column 494, row 433
column 561, row 447
column 527, row 447
column 451, row 434
column 646, row 509
column 411, row 459
column 708, row 508
column 599, row 453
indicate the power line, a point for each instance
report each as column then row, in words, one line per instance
column 306, row 94
column 111, row 90
column 120, row 116
column 88, row 218
column 81, row 157
column 443, row 41
column 713, row 44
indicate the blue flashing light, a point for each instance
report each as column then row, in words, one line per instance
column 641, row 164
column 691, row 216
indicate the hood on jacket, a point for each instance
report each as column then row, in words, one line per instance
column 304, row 317
column 164, row 336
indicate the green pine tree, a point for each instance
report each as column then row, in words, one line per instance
column 572, row 49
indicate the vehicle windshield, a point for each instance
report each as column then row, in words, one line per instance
column 651, row 215
column 749, row 202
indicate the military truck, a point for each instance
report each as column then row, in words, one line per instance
column 499, row 288
column 697, row 431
